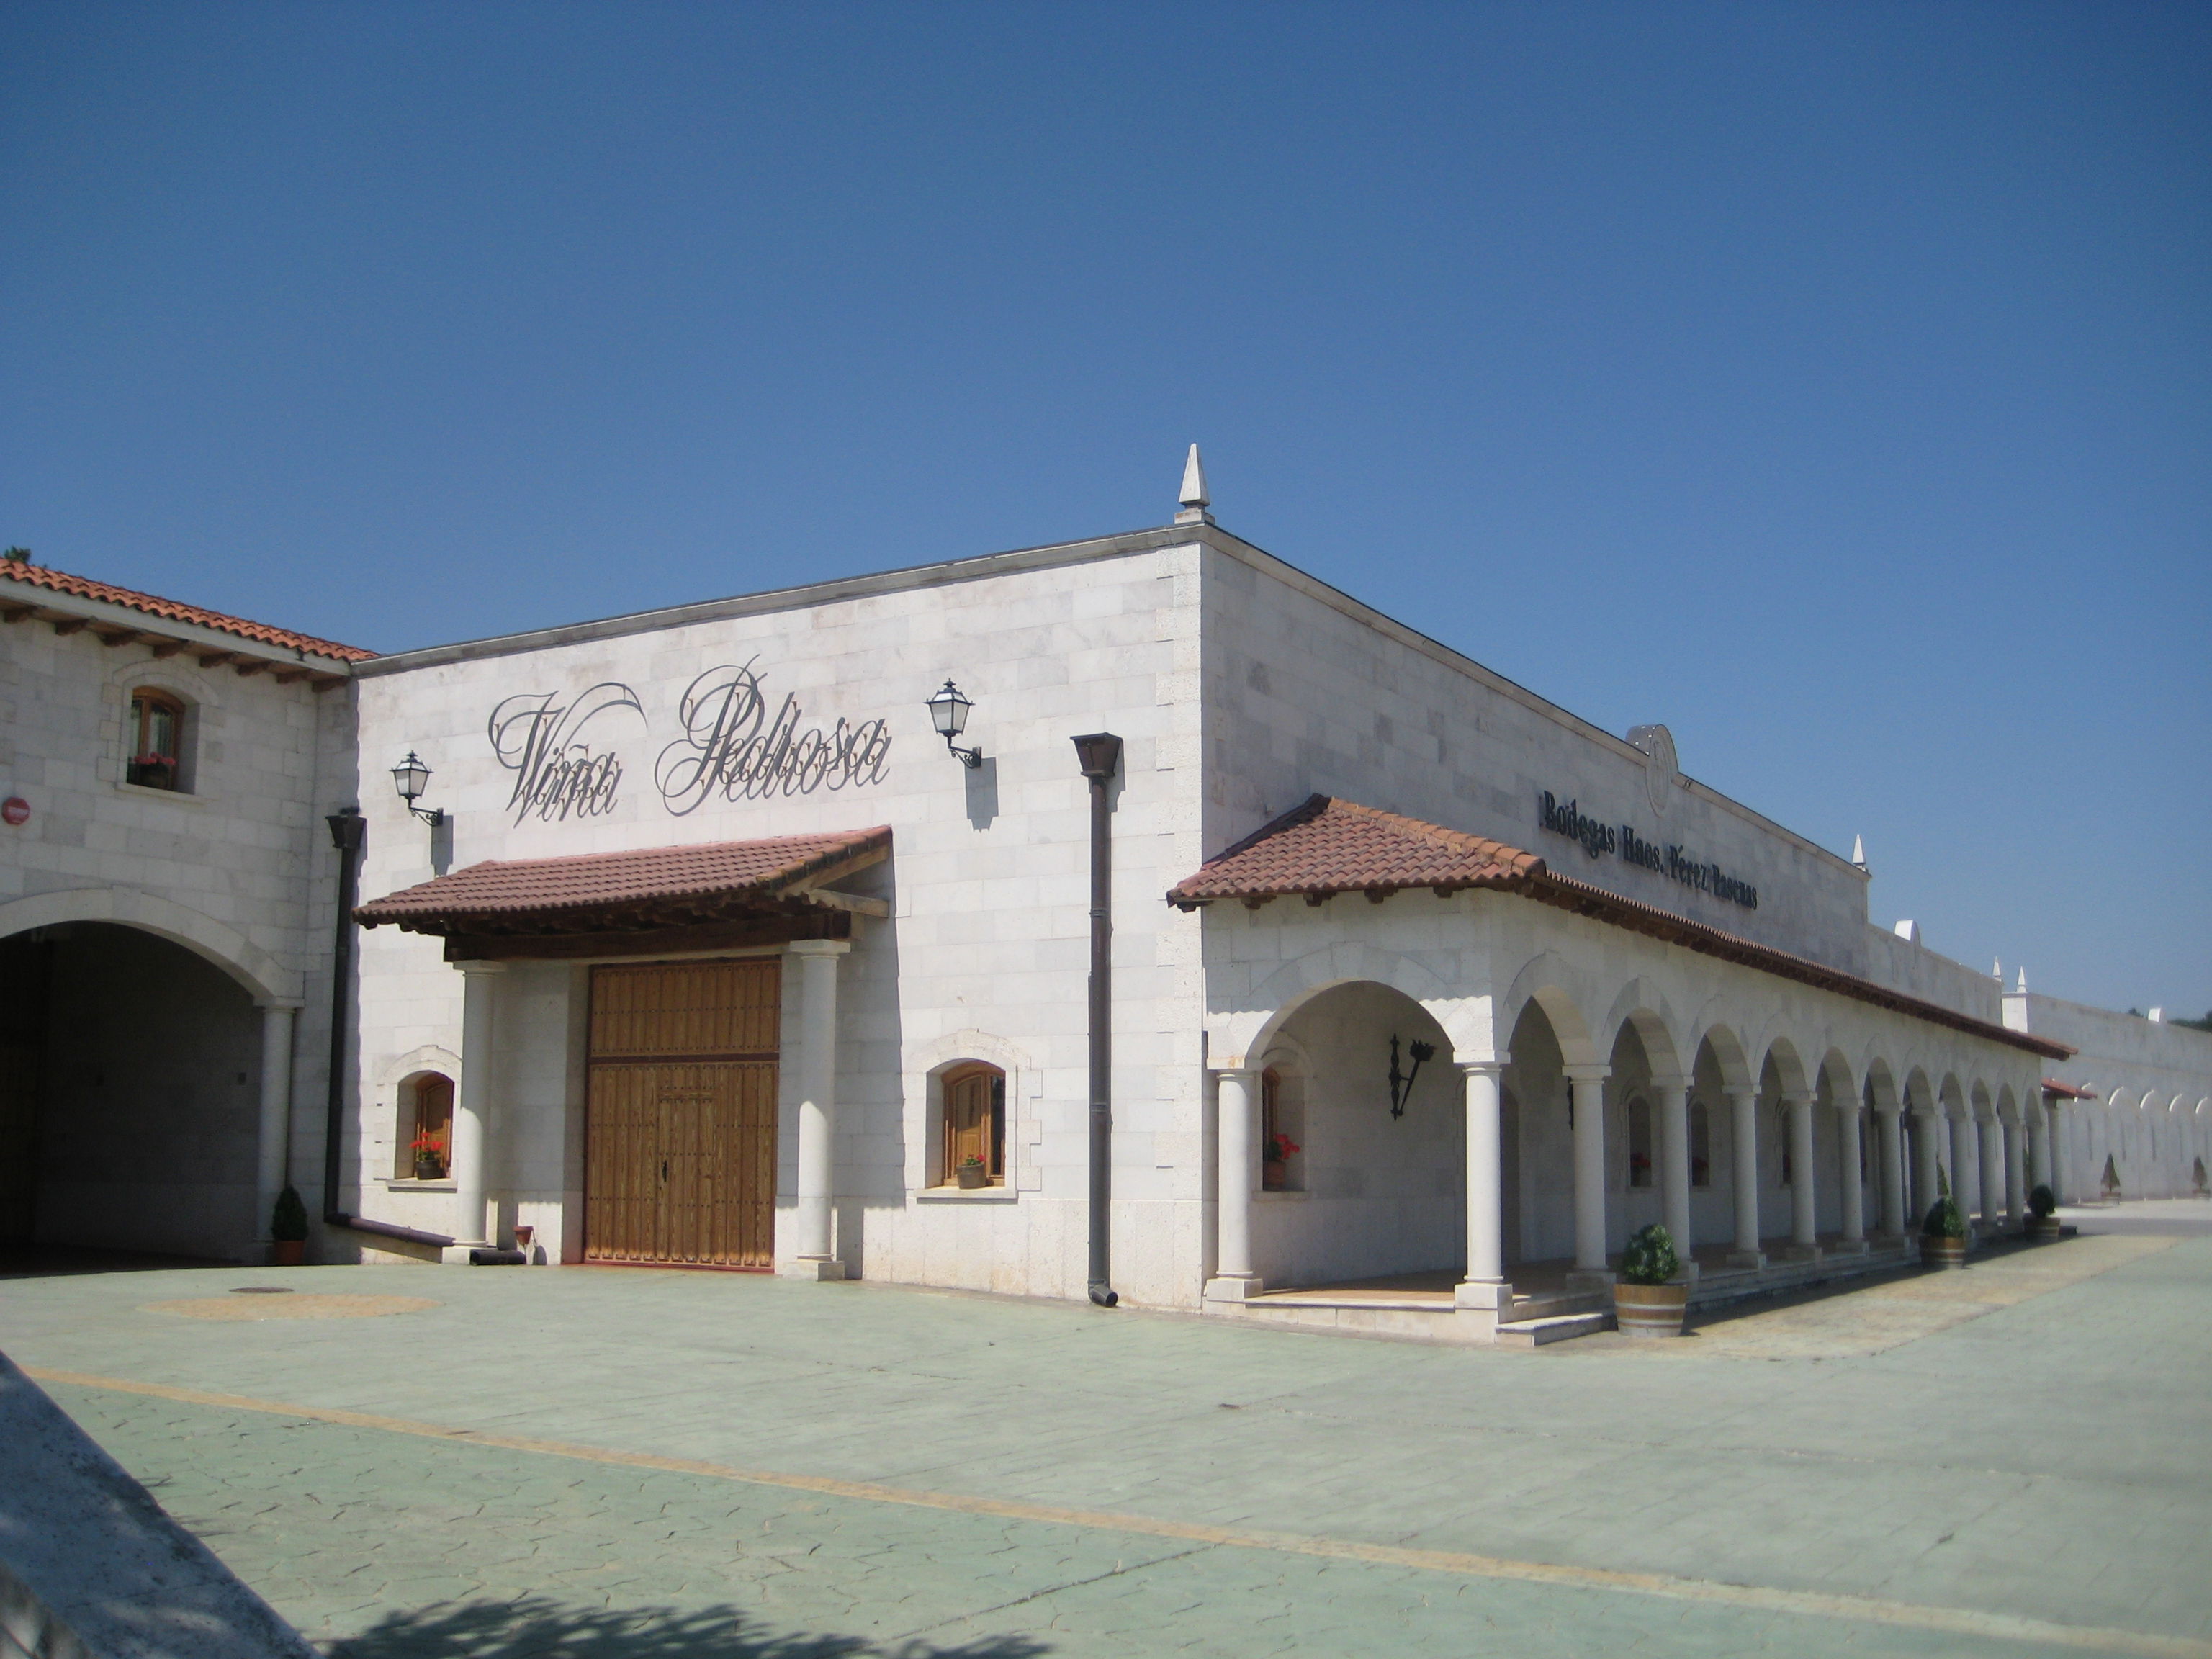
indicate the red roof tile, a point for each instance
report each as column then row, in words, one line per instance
column 2051, row 1085
column 660, row 885
column 1327, row 845
column 60, row 581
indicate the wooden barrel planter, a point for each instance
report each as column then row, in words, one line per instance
column 1650, row 1310
column 1943, row 1252
column 2043, row 1226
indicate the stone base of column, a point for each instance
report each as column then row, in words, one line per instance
column 819, row 1269
column 1233, row 1287
column 1584, row 1280
column 1848, row 1247
column 1800, row 1252
column 1483, row 1294
column 1689, row 1273
column 1752, row 1258
column 456, row 1255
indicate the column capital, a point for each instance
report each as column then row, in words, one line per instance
column 819, row 947
column 1239, row 1070
column 478, row 967
column 1797, row 1096
column 1680, row 1085
column 1738, row 1093
column 1587, row 1073
column 1494, row 1066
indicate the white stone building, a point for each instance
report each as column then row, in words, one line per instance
column 715, row 955
column 166, row 914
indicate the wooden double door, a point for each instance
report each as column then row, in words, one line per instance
column 680, row 1151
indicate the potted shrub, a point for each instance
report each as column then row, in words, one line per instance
column 288, row 1229
column 1649, row 1299
column 2042, row 1212
column 429, row 1148
column 971, row 1173
column 1943, row 1233
column 1275, row 1168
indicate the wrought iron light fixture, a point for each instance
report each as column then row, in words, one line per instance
column 948, row 712
column 1401, row 1085
column 410, row 777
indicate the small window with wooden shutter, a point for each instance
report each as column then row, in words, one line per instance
column 426, row 1118
column 155, row 734
column 973, row 1149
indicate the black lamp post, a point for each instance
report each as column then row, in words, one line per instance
column 410, row 777
column 948, row 712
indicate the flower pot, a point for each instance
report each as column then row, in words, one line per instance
column 426, row 1169
column 2043, row 1226
column 288, row 1252
column 1942, row 1252
column 1650, row 1309
column 1275, row 1175
column 972, row 1175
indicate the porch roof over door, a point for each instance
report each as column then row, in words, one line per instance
column 1326, row 846
column 709, row 896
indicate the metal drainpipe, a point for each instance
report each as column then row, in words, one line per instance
column 1099, row 754
column 348, row 830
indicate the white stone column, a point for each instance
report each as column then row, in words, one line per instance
column 1743, row 1174
column 1804, row 1215
column 1588, row 1084
column 1849, row 1128
column 1988, row 1164
column 1485, row 1285
column 2039, row 1151
column 274, row 1131
column 1237, row 1141
column 1674, row 1167
column 815, row 1256
column 472, row 1105
column 2016, row 1168
column 1932, row 1153
column 2062, row 1161
column 1963, row 1174
column 1891, row 1125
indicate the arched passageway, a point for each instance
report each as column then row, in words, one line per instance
column 129, row 1095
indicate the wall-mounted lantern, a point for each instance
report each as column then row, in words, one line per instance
column 1401, row 1085
column 948, row 712
column 410, row 777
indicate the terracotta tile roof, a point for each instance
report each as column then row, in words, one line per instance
column 83, row 587
column 2051, row 1085
column 653, row 886
column 1326, row 846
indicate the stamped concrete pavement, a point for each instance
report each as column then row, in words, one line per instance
column 617, row 1463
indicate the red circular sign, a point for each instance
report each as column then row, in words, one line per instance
column 15, row 809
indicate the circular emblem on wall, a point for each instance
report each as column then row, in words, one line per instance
column 16, row 810
column 1661, row 774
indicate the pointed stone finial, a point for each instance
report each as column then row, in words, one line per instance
column 2020, row 989
column 1193, row 498
column 1859, row 851
column 1996, row 970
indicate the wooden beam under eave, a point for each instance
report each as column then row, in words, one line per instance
column 214, row 659
column 16, row 613
column 249, row 666
column 166, row 649
column 67, row 624
column 113, row 637
column 293, row 676
column 647, row 942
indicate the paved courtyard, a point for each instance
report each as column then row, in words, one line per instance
column 614, row 1464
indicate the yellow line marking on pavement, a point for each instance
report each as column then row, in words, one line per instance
column 1959, row 1621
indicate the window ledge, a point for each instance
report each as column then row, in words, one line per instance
column 184, row 796
column 409, row 1184
column 966, row 1195
column 1267, row 1195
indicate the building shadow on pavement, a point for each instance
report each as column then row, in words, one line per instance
column 538, row 1627
column 21, row 1260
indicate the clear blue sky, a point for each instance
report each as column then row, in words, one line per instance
column 1832, row 383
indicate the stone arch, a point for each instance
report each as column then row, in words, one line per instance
column 1643, row 1006
column 1248, row 1031
column 926, row 1066
column 264, row 979
column 2007, row 1107
column 1545, row 980
column 1977, row 1101
column 1789, row 1067
column 1728, row 1054
column 1878, row 1085
column 1835, row 1082
column 1951, row 1096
